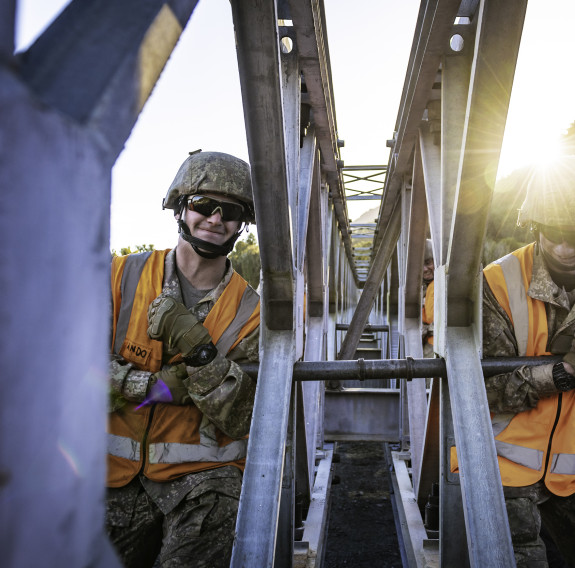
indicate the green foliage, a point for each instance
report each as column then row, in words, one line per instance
column 128, row 250
column 246, row 260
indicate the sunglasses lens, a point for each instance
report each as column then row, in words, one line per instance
column 207, row 206
column 556, row 236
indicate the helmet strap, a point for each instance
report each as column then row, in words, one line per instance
column 536, row 232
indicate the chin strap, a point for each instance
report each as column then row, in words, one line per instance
column 204, row 248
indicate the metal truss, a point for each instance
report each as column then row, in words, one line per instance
column 363, row 183
column 82, row 86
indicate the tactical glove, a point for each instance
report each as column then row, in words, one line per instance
column 171, row 322
column 167, row 386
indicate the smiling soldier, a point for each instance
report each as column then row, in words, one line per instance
column 183, row 321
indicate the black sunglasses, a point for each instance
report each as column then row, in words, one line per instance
column 207, row 206
column 557, row 236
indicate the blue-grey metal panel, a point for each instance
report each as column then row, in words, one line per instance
column 362, row 414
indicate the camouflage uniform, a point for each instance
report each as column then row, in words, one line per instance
column 188, row 521
column 518, row 391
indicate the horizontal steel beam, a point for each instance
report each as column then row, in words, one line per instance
column 363, row 370
column 363, row 168
column 368, row 327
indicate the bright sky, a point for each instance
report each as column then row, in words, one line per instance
column 197, row 102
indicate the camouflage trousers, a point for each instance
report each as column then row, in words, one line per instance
column 528, row 508
column 197, row 533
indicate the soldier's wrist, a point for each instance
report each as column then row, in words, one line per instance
column 564, row 381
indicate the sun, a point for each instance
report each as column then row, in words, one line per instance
column 521, row 149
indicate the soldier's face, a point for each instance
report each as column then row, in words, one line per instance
column 558, row 248
column 428, row 269
column 212, row 229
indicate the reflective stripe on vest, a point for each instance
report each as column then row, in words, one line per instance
column 180, row 453
column 511, row 268
column 130, row 337
column 123, row 447
column 528, row 457
column 563, row 464
column 227, row 326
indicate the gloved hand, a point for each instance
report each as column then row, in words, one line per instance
column 167, row 386
column 171, row 322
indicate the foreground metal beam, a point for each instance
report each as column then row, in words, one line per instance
column 99, row 61
column 67, row 106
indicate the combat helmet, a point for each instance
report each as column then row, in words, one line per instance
column 215, row 172
column 550, row 196
column 211, row 172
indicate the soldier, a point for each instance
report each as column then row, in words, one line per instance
column 428, row 299
column 181, row 406
column 528, row 310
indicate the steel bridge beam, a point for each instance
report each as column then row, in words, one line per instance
column 458, row 282
column 257, row 37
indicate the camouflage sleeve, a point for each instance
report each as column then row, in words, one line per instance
column 521, row 389
column 126, row 382
column 223, row 392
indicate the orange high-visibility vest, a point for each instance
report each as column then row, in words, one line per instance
column 427, row 310
column 165, row 441
column 537, row 443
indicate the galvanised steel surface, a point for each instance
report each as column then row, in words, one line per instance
column 262, row 87
column 498, row 35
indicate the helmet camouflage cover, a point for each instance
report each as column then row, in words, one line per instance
column 550, row 196
column 212, row 172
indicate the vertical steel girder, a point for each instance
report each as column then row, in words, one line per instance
column 261, row 84
column 458, row 289
column 431, row 35
column 286, row 179
column 259, row 65
column 411, row 286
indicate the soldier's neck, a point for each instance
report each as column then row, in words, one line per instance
column 202, row 273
